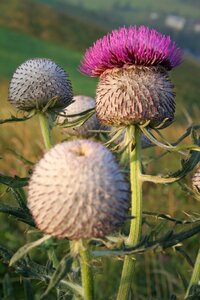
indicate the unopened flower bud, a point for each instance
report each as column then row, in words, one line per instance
column 36, row 82
column 78, row 191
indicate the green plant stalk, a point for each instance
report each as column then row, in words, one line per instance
column 86, row 273
column 136, row 211
column 45, row 129
column 195, row 279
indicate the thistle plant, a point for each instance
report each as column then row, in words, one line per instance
column 40, row 85
column 134, row 90
column 77, row 191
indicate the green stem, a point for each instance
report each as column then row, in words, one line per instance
column 195, row 279
column 86, row 273
column 136, row 211
column 45, row 129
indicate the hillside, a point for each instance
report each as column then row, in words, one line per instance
column 43, row 21
column 187, row 8
column 115, row 13
column 16, row 47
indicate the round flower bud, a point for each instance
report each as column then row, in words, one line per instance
column 196, row 181
column 80, row 104
column 36, row 82
column 134, row 86
column 78, row 191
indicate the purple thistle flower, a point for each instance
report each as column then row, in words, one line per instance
column 134, row 86
column 131, row 46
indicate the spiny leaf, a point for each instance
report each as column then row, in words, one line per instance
column 51, row 103
column 188, row 165
column 15, row 119
column 14, row 182
column 20, row 197
column 78, row 121
column 168, row 146
column 169, row 240
column 61, row 271
column 21, row 157
column 29, row 269
column 169, row 218
column 20, row 214
column 26, row 248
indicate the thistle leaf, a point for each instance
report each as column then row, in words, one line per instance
column 19, row 213
column 14, row 182
column 61, row 271
column 26, row 248
column 15, row 119
column 79, row 119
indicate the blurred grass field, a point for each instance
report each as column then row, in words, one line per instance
column 159, row 274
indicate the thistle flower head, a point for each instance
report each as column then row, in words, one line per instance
column 134, row 86
column 78, row 191
column 131, row 46
column 80, row 104
column 36, row 82
column 196, row 181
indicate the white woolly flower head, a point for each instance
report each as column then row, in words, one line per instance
column 36, row 82
column 78, row 191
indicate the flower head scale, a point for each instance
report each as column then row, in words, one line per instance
column 37, row 81
column 78, row 191
column 131, row 46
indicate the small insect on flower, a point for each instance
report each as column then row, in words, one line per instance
column 134, row 86
column 196, row 181
column 80, row 104
column 78, row 191
column 36, row 82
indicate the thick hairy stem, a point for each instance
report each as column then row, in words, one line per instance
column 86, row 272
column 195, row 279
column 45, row 129
column 136, row 212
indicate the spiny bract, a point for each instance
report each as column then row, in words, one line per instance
column 78, row 191
column 36, row 82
